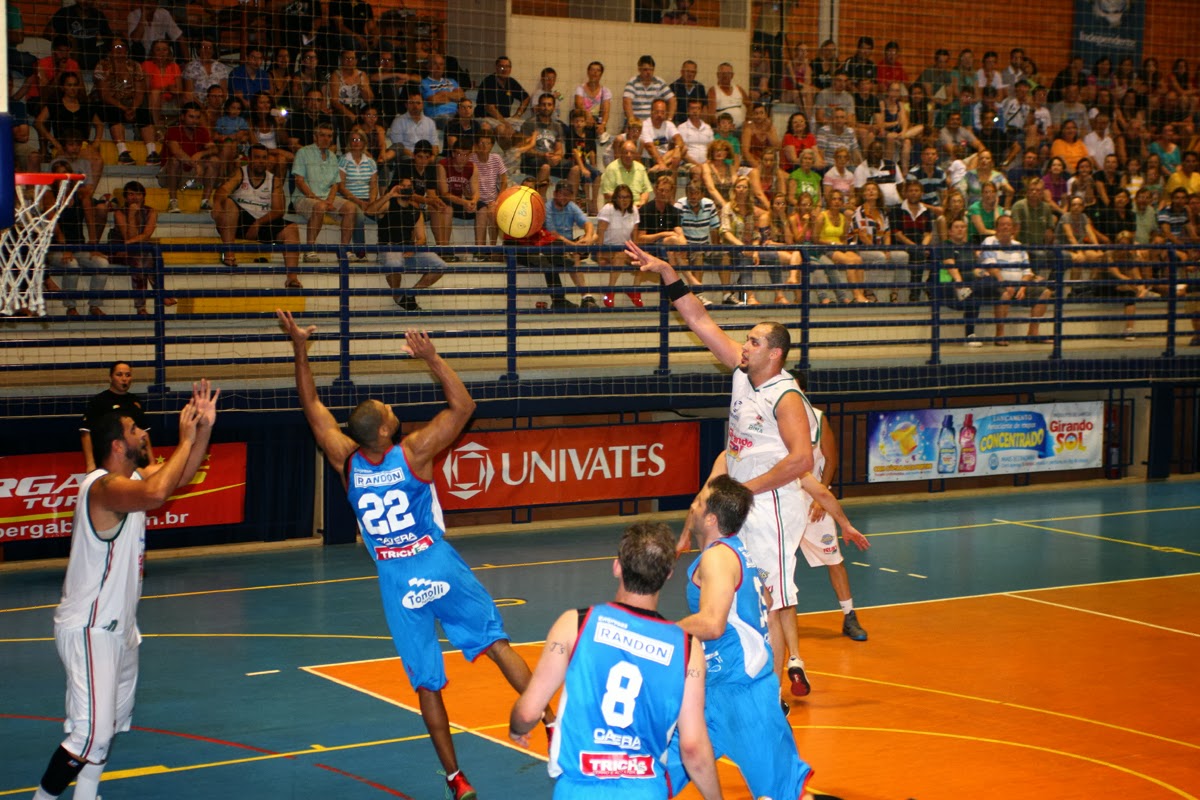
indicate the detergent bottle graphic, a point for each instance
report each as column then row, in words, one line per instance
column 947, row 447
column 966, row 446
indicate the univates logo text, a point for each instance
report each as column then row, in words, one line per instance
column 424, row 592
column 470, row 468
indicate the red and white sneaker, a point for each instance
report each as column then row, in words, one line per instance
column 459, row 788
column 795, row 671
column 608, row 300
column 636, row 299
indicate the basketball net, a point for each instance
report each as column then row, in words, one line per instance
column 39, row 201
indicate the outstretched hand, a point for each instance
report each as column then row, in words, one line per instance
column 288, row 325
column 204, row 401
column 419, row 345
column 851, row 534
column 189, row 421
column 648, row 263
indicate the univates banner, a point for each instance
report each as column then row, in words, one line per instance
column 989, row 440
column 38, row 493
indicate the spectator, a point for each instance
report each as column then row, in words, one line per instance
column 462, row 125
column 349, row 92
column 719, row 173
column 88, row 28
column 921, row 130
column 837, row 135
column 1020, row 175
column 501, row 102
column 231, row 134
column 39, row 90
column 824, row 65
column 738, row 227
column 1055, row 181
column 595, row 99
column 203, row 72
column 164, row 80
column 727, row 98
column 797, row 86
column 422, row 174
column 796, row 139
column 805, row 181
column 190, row 155
column 776, row 229
column 767, row 180
column 68, row 111
column 866, row 106
column 1042, row 129
column 860, row 65
column 359, row 184
column 725, row 132
column 890, row 70
column 931, row 177
column 72, row 230
column 1016, row 281
column 983, row 213
column 134, row 223
column 580, row 151
column 660, row 221
column 938, row 78
column 411, row 127
column 626, row 170
column 1110, row 180
column 1016, row 113
column 94, row 216
column 547, row 83
column 302, row 127
column 880, row 171
column 1173, row 220
column 758, row 134
column 1069, row 108
column 912, row 224
column 988, row 106
column 696, row 136
column 280, row 73
column 441, row 93
column 835, row 97
column 955, row 135
column 391, row 84
column 458, row 183
column 871, row 227
column 1068, row 146
column 832, row 228
column 989, row 76
column 1187, row 176
column 267, row 130
column 954, row 281
column 317, row 175
column 18, row 60
column 1166, row 147
column 965, row 72
column 354, row 20
column 660, row 142
column 618, row 222
column 308, row 78
column 643, row 89
column 686, row 89
column 402, row 225
column 681, row 14
column 544, row 146
column 1015, row 72
column 563, row 217
column 964, row 104
column 493, row 180
column 249, row 78
column 954, row 207
column 700, row 222
column 122, row 89
column 1071, row 75
column 148, row 22
column 891, row 121
column 1083, row 184
column 985, row 172
column 1036, row 222
column 1075, row 231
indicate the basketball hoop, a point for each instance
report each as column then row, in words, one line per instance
column 39, row 200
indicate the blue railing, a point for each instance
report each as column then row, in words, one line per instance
column 499, row 319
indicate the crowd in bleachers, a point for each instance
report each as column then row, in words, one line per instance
column 849, row 153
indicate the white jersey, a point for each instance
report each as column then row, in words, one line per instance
column 754, row 445
column 255, row 200
column 104, row 573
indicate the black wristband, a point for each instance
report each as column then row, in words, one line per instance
column 677, row 289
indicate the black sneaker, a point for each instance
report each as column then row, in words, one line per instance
column 560, row 303
column 588, row 302
column 851, row 628
column 125, row 158
column 153, row 160
column 406, row 302
column 785, row 706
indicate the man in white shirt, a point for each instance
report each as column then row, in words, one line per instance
column 696, row 135
column 662, row 148
column 411, row 127
column 148, row 23
column 1099, row 142
column 1011, row 269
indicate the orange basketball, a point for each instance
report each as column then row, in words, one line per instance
column 520, row 212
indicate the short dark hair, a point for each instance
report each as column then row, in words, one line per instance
column 365, row 420
column 423, row 146
column 730, row 501
column 113, row 366
column 778, row 336
column 647, row 59
column 866, row 41
column 647, row 556
column 104, row 431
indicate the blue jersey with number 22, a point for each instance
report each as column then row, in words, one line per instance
column 398, row 513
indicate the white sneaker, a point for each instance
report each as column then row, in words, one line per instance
column 310, row 258
column 731, row 299
column 173, row 207
column 973, row 341
column 1129, row 337
column 704, row 300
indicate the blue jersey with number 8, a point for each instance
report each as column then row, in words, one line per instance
column 398, row 513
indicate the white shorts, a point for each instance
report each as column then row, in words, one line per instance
column 820, row 543
column 102, row 672
column 772, row 527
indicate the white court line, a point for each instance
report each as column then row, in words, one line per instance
column 264, row 672
column 1102, row 614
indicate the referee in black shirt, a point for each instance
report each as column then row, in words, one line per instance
column 116, row 397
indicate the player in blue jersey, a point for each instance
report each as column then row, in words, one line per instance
column 631, row 677
column 422, row 578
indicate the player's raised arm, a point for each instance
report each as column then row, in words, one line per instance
column 727, row 351
column 549, row 674
column 336, row 445
column 695, row 748
column 427, row 441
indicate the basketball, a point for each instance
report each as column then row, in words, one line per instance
column 520, row 212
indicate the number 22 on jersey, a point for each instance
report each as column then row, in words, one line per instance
column 394, row 504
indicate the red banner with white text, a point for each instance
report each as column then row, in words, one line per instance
column 38, row 493
column 569, row 465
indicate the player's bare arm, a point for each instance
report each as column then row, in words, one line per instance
column 336, row 445
column 727, row 351
column 794, row 431
column 116, row 494
column 423, row 444
column 549, row 674
column 695, row 748
column 717, row 576
column 821, row 494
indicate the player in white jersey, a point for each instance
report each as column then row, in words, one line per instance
column 819, row 541
column 251, row 205
column 95, row 624
column 769, row 446
column 625, row 695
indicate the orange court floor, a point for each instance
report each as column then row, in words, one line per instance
column 1049, row 653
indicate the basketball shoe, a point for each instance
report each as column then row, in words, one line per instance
column 851, row 628
column 795, row 672
column 459, row 788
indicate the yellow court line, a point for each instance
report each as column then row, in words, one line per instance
column 1116, row 514
column 1157, row 547
column 986, row 740
column 1008, row 704
column 1102, row 614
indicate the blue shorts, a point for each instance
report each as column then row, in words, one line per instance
column 436, row 586
column 616, row 789
column 746, row 724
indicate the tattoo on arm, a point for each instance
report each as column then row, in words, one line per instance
column 556, row 647
column 694, row 673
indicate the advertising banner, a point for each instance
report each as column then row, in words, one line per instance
column 569, row 465
column 38, row 493
column 990, row 440
column 1110, row 28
